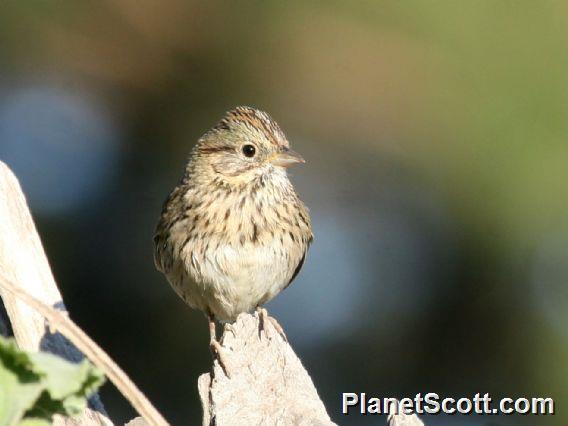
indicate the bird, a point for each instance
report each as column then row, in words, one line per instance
column 233, row 233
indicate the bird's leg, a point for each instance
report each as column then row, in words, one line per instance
column 263, row 317
column 215, row 346
column 212, row 330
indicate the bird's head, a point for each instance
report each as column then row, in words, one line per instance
column 245, row 145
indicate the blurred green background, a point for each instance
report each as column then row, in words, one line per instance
column 437, row 167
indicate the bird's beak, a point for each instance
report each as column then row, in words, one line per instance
column 287, row 158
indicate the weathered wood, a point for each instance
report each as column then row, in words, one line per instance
column 402, row 419
column 267, row 384
column 23, row 262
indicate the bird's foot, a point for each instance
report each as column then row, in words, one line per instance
column 216, row 349
column 264, row 317
column 218, row 353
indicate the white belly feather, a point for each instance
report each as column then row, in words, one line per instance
column 230, row 279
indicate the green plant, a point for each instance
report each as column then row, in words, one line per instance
column 35, row 386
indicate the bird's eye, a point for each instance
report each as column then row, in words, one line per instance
column 249, row 150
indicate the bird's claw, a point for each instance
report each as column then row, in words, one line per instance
column 264, row 317
column 218, row 353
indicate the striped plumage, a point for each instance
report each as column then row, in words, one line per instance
column 233, row 233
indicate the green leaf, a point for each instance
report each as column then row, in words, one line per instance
column 34, row 386
column 64, row 379
column 34, row 421
column 19, row 387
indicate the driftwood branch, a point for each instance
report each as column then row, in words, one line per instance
column 267, row 384
column 24, row 270
column 23, row 262
column 404, row 420
column 59, row 321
